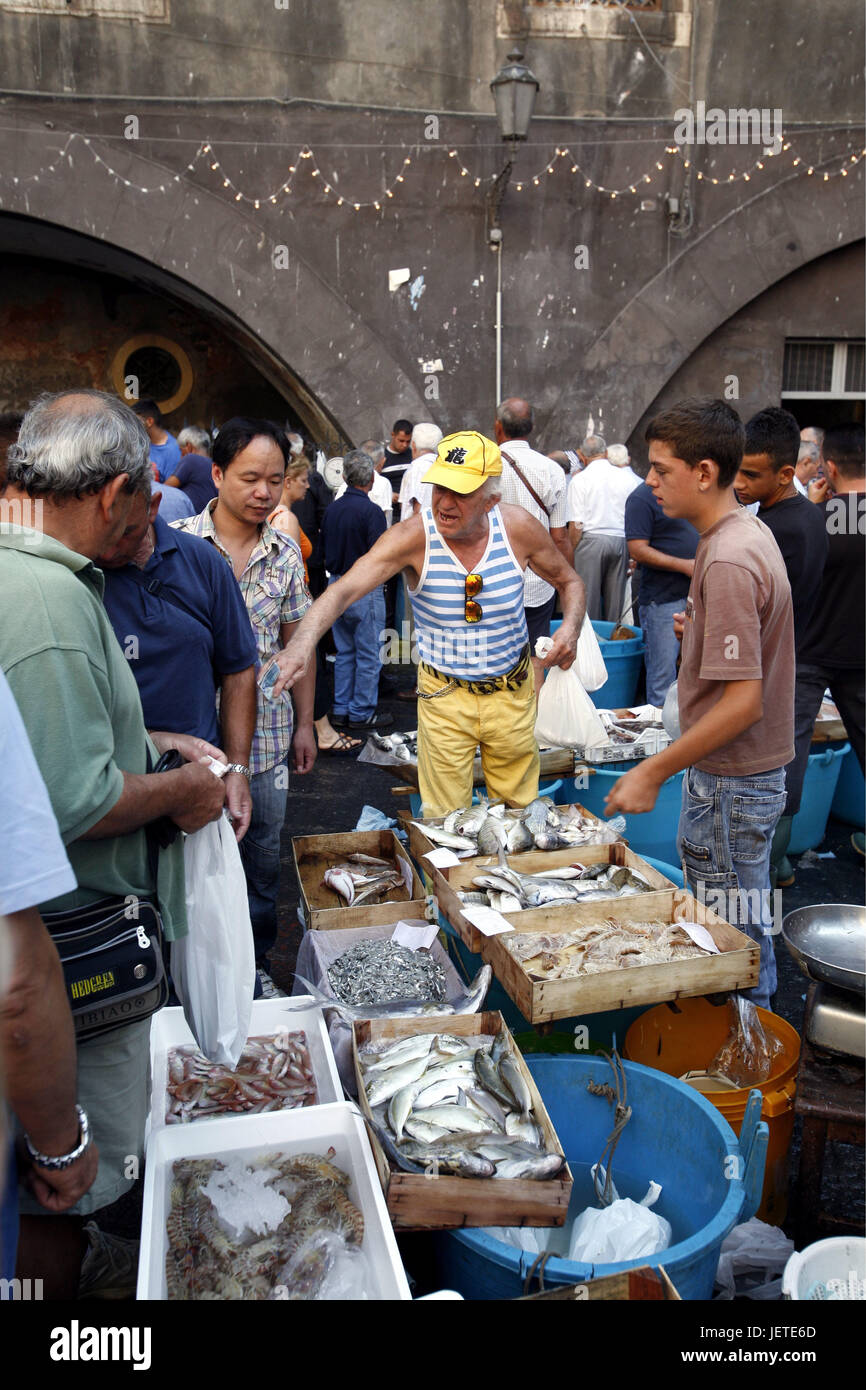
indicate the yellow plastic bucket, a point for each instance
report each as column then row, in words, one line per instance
column 676, row 1043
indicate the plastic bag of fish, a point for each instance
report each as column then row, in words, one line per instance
column 597, row 947
column 455, row 1105
column 505, row 890
column 272, row 1227
column 361, row 878
column 273, row 1073
column 488, row 828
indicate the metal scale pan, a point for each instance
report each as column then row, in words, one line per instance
column 828, row 942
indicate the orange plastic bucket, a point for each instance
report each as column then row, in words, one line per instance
column 686, row 1041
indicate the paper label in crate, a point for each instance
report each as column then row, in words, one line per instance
column 700, row 936
column 488, row 922
column 406, row 871
column 442, row 858
column 415, row 938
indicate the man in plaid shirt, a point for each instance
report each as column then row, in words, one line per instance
column 249, row 459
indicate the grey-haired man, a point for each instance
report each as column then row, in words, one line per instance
column 83, row 456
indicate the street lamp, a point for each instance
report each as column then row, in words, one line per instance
column 514, row 89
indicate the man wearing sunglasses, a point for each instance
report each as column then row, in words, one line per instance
column 464, row 558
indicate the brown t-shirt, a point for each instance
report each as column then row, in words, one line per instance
column 740, row 626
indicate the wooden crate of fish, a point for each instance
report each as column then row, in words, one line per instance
column 594, row 957
column 477, row 830
column 363, row 878
column 541, row 887
column 459, row 1131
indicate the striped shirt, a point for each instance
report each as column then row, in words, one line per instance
column 446, row 641
column 274, row 592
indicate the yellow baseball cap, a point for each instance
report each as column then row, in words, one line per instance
column 464, row 461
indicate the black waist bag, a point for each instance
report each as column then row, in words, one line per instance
column 111, row 953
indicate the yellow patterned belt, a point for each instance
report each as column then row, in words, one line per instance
column 511, row 680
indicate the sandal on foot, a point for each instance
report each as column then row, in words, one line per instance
column 345, row 747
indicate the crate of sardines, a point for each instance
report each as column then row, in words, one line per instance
column 459, row 1130
column 267, row 1207
column 539, row 888
column 640, row 950
column 362, row 878
column 287, row 1063
column 485, row 828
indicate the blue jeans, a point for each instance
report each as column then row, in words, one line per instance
column 260, row 853
column 724, row 838
column 357, row 638
column 662, row 647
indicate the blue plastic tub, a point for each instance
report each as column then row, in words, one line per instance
column 819, row 786
column 653, row 833
column 623, row 661
column 849, row 798
column 710, row 1179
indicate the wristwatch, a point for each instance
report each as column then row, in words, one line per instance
column 60, row 1161
column 241, row 768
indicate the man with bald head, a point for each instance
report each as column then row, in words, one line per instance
column 530, row 480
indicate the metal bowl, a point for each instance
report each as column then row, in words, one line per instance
column 828, row 942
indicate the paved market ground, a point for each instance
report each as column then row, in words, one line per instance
column 330, row 799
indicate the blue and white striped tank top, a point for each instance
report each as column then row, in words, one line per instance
column 445, row 639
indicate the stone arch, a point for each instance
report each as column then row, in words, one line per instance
column 718, row 272
column 299, row 330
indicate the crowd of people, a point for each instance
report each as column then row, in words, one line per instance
column 179, row 599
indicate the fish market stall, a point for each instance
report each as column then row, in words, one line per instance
column 459, row 1130
column 357, row 879
column 540, row 888
column 273, row 1207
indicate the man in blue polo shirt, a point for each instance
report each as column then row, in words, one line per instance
column 664, row 547
column 350, row 527
column 182, row 624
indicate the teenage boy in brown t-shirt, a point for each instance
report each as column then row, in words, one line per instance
column 736, row 681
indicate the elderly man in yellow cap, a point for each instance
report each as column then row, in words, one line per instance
column 464, row 559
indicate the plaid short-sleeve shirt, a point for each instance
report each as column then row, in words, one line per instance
column 274, row 592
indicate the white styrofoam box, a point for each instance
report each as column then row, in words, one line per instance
column 169, row 1029
column 314, row 1129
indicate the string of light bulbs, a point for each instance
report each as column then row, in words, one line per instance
column 306, row 160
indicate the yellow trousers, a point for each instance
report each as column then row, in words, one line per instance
column 449, row 730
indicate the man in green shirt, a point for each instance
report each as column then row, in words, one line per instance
column 83, row 456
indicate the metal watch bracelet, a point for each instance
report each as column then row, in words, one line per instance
column 241, row 768
column 60, row 1161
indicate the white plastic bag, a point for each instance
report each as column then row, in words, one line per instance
column 590, row 665
column 214, row 967
column 566, row 716
column 625, row 1230
column 752, row 1261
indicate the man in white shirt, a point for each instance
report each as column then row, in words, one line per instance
column 414, row 494
column 808, row 460
column 531, row 480
column 380, row 492
column 596, row 528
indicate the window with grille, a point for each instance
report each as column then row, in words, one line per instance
column 820, row 367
